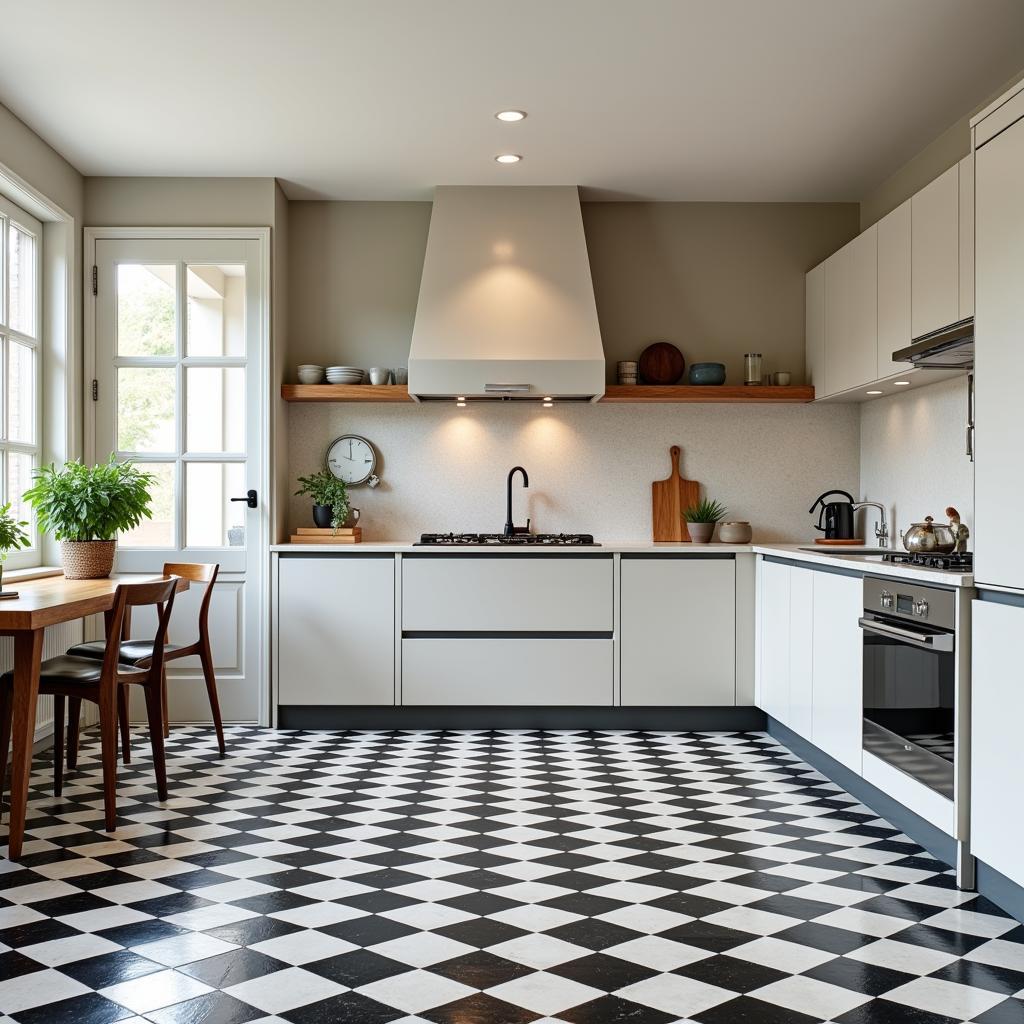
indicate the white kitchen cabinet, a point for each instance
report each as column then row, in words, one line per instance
column 801, row 630
column 893, row 288
column 935, row 254
column 773, row 674
column 678, row 631
column 838, row 667
column 514, row 672
column 967, row 237
column 336, row 630
column 999, row 355
column 814, row 328
column 997, row 755
column 508, row 593
column 851, row 314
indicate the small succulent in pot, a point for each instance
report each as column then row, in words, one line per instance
column 702, row 518
column 330, row 498
column 86, row 507
column 13, row 535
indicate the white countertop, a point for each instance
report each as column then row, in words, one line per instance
column 840, row 558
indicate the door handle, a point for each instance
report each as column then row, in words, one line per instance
column 250, row 499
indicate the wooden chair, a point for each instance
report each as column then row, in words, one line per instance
column 76, row 678
column 139, row 653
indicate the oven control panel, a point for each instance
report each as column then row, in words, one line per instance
column 909, row 601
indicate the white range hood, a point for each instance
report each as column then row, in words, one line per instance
column 506, row 308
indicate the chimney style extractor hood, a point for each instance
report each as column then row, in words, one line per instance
column 506, row 308
column 948, row 348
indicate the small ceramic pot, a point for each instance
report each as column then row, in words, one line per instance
column 322, row 515
column 707, row 373
column 735, row 533
column 782, row 378
column 701, row 533
column 379, row 375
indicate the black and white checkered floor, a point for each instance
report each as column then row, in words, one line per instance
column 488, row 878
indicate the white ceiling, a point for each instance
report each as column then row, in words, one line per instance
column 382, row 99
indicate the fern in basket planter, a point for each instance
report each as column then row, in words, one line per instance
column 12, row 537
column 86, row 507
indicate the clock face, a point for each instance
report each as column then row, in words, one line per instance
column 351, row 458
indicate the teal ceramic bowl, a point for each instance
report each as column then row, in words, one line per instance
column 707, row 373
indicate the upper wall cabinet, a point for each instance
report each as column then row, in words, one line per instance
column 851, row 313
column 907, row 275
column 935, row 254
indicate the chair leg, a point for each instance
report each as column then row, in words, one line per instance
column 211, row 690
column 108, row 745
column 165, row 704
column 58, row 744
column 154, row 708
column 123, row 725
column 74, row 722
column 6, row 717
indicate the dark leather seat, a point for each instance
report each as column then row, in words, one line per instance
column 133, row 652
column 65, row 669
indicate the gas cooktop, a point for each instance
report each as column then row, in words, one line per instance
column 963, row 562
column 516, row 540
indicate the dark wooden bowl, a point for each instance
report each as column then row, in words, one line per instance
column 661, row 363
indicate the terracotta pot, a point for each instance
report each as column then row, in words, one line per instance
column 701, row 533
column 87, row 559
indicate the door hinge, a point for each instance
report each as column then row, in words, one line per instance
column 95, row 390
column 95, row 276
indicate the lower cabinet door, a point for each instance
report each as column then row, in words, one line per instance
column 801, row 679
column 838, row 698
column 773, row 671
column 516, row 672
column 336, row 630
column 678, row 630
column 997, row 755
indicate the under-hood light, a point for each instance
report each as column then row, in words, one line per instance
column 508, row 158
column 511, row 116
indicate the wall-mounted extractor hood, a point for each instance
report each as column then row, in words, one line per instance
column 506, row 308
column 949, row 348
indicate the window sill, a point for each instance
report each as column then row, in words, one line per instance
column 40, row 572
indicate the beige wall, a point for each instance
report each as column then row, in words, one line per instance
column 716, row 279
column 590, row 466
column 179, row 202
column 40, row 165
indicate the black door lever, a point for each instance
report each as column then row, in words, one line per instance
column 249, row 499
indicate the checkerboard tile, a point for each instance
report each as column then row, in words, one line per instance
column 507, row 876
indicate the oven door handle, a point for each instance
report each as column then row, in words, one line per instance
column 929, row 641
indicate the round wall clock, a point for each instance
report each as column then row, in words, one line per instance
column 352, row 458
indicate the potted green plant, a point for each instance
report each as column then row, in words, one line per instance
column 12, row 537
column 86, row 507
column 702, row 518
column 330, row 498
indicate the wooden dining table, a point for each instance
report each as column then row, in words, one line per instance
column 41, row 603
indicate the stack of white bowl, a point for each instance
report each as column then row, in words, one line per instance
column 310, row 373
column 344, row 375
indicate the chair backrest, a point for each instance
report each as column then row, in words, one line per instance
column 197, row 572
column 133, row 595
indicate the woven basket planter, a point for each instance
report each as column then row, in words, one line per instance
column 87, row 559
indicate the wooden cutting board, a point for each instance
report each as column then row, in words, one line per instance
column 669, row 500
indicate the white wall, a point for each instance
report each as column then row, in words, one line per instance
column 590, row 467
column 912, row 454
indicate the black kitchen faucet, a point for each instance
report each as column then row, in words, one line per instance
column 510, row 528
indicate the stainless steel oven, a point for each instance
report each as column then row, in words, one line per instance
column 909, row 679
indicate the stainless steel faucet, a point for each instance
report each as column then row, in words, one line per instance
column 881, row 527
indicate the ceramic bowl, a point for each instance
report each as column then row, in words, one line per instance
column 707, row 373
column 311, row 376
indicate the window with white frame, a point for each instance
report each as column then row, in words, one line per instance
column 21, row 238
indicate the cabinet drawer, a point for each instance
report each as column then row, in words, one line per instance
column 512, row 672
column 507, row 593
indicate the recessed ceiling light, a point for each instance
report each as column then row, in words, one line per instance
column 874, row 392
column 511, row 115
column 902, row 383
column 508, row 158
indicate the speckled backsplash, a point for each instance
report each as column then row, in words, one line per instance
column 590, row 467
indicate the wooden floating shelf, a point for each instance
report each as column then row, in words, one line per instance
column 634, row 393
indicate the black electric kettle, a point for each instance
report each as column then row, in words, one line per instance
column 836, row 517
